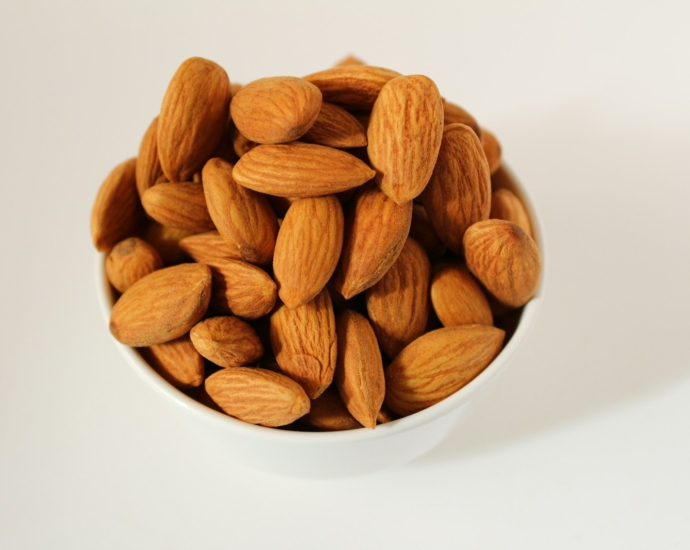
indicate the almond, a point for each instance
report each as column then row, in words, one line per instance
column 227, row 341
column 505, row 259
column 244, row 218
column 129, row 261
column 177, row 361
column 226, row 146
column 398, row 305
column 308, row 248
column 193, row 117
column 204, row 247
column 458, row 299
column 242, row 144
column 453, row 114
column 328, row 413
column 492, row 150
column 179, row 205
column 304, row 343
column 258, row 396
column 354, row 87
column 336, row 127
column 359, row 372
column 505, row 205
column 166, row 240
column 350, row 60
column 162, row 306
column 148, row 168
column 404, row 135
column 423, row 232
column 386, row 415
column 459, row 192
column 438, row 364
column 300, row 170
column 375, row 232
column 275, row 110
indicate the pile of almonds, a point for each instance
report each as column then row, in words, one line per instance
column 326, row 252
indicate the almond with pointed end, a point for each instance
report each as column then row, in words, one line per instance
column 304, row 343
column 148, row 166
column 505, row 205
column 179, row 205
column 258, row 396
column 162, row 306
column 308, row 249
column 375, row 232
column 328, row 413
column 227, row 341
column 193, row 117
column 177, row 361
column 458, row 299
column 359, row 372
column 350, row 60
column 453, row 114
column 354, row 87
column 398, row 305
column 129, row 261
column 492, row 150
column 204, row 247
column 166, row 240
column 438, row 364
column 459, row 192
column 505, row 259
column 336, row 127
column 423, row 232
column 300, row 170
column 404, row 136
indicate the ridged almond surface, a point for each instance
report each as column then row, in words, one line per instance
column 423, row 232
column 116, row 211
column 258, row 396
column 359, row 371
column 336, row 127
column 453, row 114
column 243, row 217
column 505, row 259
column 177, row 361
column 276, row 109
column 166, row 240
column 129, row 261
column 459, row 192
column 180, row 205
column 458, row 299
column 398, row 305
column 329, row 413
column 193, row 117
column 404, row 135
column 375, row 232
column 162, row 306
column 227, row 341
column 204, row 247
column 492, row 150
column 354, row 87
column 300, row 170
column 308, row 248
column 148, row 166
column 505, row 205
column 438, row 364
column 304, row 343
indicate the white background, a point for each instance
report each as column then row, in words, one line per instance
column 584, row 442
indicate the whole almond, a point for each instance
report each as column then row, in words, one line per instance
column 177, row 361
column 300, row 170
column 258, row 396
column 438, row 364
column 329, row 413
column 336, row 127
column 193, row 117
column 308, row 248
column 148, row 168
column 453, row 114
column 162, row 306
column 353, row 87
column 227, row 341
column 129, row 261
column 166, row 240
column 359, row 371
column 275, row 110
column 398, row 305
column 404, row 135
column 505, row 259
column 505, row 205
column 423, row 232
column 375, row 232
column 179, row 205
column 304, row 343
column 492, row 150
column 204, row 247
column 459, row 192
column 243, row 217
column 458, row 299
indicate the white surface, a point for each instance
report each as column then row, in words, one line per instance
column 583, row 443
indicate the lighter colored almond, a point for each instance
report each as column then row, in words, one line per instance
column 458, row 299
column 179, row 205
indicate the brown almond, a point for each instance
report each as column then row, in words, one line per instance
column 329, row 413
column 438, row 364
column 453, row 114
column 336, row 127
column 386, row 415
column 505, row 205
column 423, row 232
column 226, row 146
column 227, row 341
column 258, row 396
column 350, row 60
column 398, row 305
column 242, row 144
column 404, row 135
column 300, row 170
column 458, row 299
column 280, row 205
column 180, row 205
column 148, row 168
column 204, row 247
column 492, row 150
column 193, row 117
column 129, row 261
column 166, row 240
column 162, row 306
column 505, row 259
column 177, row 361
column 459, row 192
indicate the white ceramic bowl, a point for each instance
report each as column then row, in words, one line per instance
column 332, row 454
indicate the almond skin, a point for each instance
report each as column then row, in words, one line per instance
column 204, row 247
column 308, row 248
column 148, row 168
column 335, row 127
column 505, row 205
column 438, row 364
column 275, row 110
column 404, row 135
column 258, row 396
column 359, row 371
column 423, row 232
column 177, row 361
column 179, row 205
column 398, row 305
column 458, row 299
column 300, row 170
column 453, row 114
column 353, row 87
column 162, row 306
column 492, row 150
column 329, row 414
column 193, row 117
column 304, row 343
column 505, row 259
column 129, row 261
column 459, row 192
column 227, row 341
